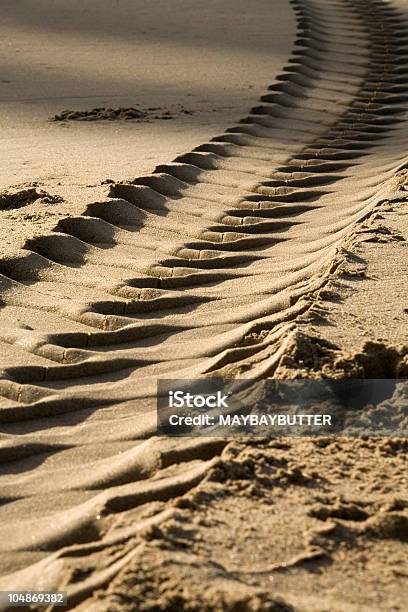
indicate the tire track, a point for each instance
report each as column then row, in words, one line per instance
column 201, row 267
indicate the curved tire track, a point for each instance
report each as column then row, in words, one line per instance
column 200, row 267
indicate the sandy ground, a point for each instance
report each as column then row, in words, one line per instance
column 213, row 58
column 274, row 245
column 284, row 526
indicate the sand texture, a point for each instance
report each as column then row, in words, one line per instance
column 215, row 264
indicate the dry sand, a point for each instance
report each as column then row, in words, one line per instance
column 273, row 249
column 213, row 58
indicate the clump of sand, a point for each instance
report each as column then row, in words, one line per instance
column 312, row 356
column 121, row 113
column 101, row 114
column 17, row 198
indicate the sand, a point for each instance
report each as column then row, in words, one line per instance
column 268, row 531
column 214, row 59
column 216, row 263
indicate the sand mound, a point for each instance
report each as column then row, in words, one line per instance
column 17, row 198
column 101, row 114
column 312, row 356
column 127, row 114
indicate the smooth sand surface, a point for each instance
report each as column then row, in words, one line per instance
column 210, row 265
column 214, row 58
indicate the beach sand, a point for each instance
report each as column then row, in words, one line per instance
column 212, row 59
column 248, row 221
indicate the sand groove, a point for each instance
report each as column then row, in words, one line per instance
column 183, row 273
